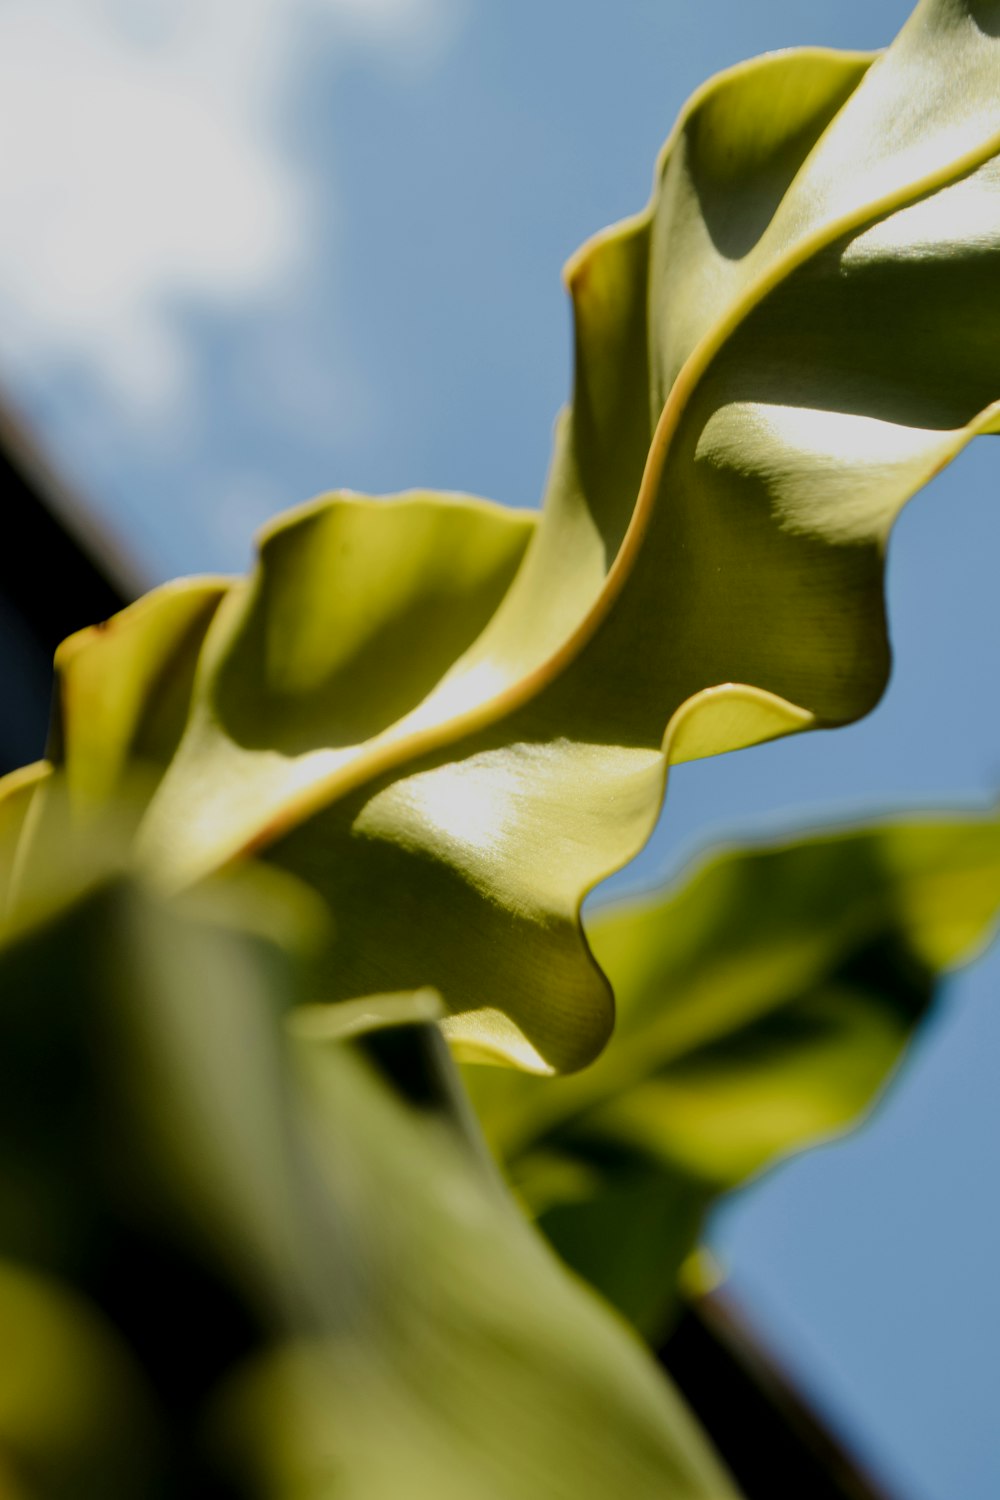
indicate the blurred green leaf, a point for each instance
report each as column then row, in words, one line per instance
column 763, row 1002
column 305, row 1244
column 75, row 1422
column 465, row 1362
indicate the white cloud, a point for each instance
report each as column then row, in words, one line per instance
column 141, row 168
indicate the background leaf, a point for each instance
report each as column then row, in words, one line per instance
column 74, row 1418
column 763, row 1002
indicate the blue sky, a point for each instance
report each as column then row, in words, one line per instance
column 255, row 249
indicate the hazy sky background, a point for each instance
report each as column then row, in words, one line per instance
column 254, row 249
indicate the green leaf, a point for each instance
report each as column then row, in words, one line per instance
column 763, row 1004
column 473, row 1366
column 74, row 1414
column 453, row 722
column 17, row 793
column 355, row 611
column 124, row 689
column 414, row 1334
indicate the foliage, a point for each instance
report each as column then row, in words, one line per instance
column 295, row 827
column 761, row 1007
column 348, row 1260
